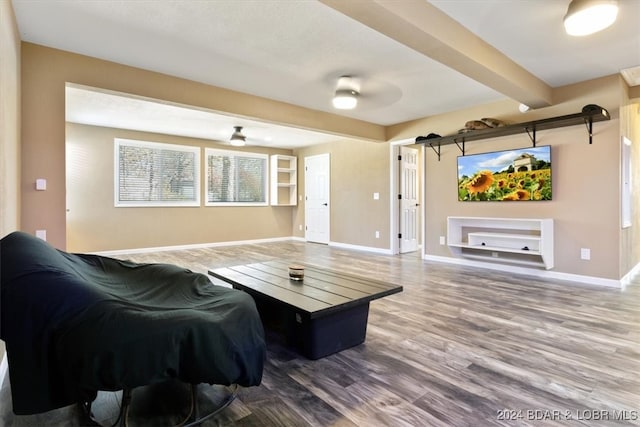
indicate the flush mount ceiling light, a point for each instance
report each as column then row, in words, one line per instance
column 237, row 138
column 346, row 96
column 586, row 17
column 523, row 108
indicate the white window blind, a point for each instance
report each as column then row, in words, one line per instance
column 235, row 178
column 155, row 174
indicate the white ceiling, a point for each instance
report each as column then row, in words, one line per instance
column 103, row 108
column 294, row 51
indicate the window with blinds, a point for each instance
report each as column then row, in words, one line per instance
column 235, row 178
column 156, row 174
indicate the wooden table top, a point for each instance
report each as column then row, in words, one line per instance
column 321, row 292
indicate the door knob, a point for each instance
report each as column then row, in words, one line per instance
column 324, row 204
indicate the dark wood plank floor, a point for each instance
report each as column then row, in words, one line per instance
column 459, row 347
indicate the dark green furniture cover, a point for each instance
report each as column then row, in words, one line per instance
column 74, row 324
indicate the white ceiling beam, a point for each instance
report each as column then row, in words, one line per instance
column 424, row 28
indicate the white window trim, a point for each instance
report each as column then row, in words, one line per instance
column 218, row 152
column 157, row 145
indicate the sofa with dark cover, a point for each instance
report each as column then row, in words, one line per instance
column 74, row 324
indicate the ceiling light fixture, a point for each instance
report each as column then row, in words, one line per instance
column 237, row 138
column 586, row 17
column 345, row 99
column 346, row 96
column 523, row 108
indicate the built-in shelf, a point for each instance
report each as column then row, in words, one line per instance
column 523, row 241
column 284, row 180
column 589, row 115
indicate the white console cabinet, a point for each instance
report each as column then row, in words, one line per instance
column 524, row 241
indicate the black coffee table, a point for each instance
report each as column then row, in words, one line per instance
column 325, row 313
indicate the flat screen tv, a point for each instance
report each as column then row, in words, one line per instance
column 522, row 174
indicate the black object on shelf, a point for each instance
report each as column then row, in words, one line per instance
column 590, row 114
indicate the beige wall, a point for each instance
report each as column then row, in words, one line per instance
column 586, row 209
column 9, row 121
column 94, row 224
column 586, row 178
column 584, row 205
column 44, row 74
column 358, row 169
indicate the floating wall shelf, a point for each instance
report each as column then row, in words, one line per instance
column 590, row 114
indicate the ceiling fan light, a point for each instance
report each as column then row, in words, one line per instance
column 237, row 138
column 237, row 142
column 586, row 17
column 345, row 99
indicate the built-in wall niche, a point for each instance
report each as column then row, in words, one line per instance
column 284, row 180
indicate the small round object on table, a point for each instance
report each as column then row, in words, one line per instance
column 296, row 272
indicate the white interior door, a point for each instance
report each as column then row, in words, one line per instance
column 316, row 206
column 409, row 224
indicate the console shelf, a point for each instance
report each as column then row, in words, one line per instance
column 521, row 241
column 589, row 115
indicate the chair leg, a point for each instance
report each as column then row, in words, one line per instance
column 193, row 419
column 86, row 417
column 124, row 407
column 194, row 403
column 199, row 420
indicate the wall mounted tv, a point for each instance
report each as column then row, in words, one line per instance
column 523, row 174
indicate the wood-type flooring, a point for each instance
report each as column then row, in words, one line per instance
column 458, row 347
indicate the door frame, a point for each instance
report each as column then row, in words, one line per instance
column 394, row 188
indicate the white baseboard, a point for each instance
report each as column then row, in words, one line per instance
column 626, row 279
column 192, row 246
column 4, row 368
column 361, row 248
column 578, row 278
column 590, row 280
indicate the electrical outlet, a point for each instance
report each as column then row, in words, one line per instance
column 443, row 240
column 41, row 184
column 494, row 254
column 376, row 196
column 300, row 227
column 585, row 253
column 41, row 234
column 377, row 234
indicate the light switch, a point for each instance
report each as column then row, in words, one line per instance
column 41, row 184
column 41, row 234
column 376, row 196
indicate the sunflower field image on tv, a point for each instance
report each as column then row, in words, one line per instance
column 511, row 175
